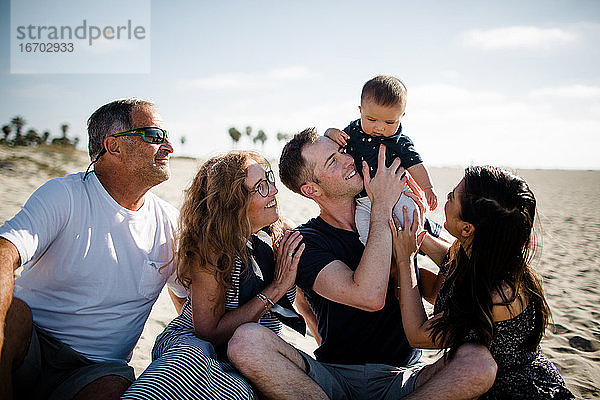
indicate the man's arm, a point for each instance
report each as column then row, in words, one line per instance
column 366, row 287
column 9, row 262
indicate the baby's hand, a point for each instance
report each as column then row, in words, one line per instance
column 340, row 137
column 431, row 197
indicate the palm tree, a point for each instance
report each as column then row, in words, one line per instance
column 45, row 136
column 261, row 137
column 64, row 128
column 32, row 137
column 248, row 130
column 281, row 137
column 6, row 129
column 235, row 135
column 18, row 122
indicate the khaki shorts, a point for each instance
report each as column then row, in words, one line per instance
column 369, row 381
column 52, row 370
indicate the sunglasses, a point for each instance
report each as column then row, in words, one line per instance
column 149, row 134
column 262, row 186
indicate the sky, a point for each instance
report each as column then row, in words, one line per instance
column 510, row 83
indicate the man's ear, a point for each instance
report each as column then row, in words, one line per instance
column 467, row 230
column 359, row 109
column 111, row 144
column 310, row 190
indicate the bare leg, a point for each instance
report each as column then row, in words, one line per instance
column 109, row 387
column 17, row 335
column 468, row 375
column 275, row 368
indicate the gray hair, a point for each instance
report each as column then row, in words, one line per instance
column 109, row 119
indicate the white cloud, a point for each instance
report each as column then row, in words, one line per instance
column 595, row 110
column 289, row 73
column 450, row 74
column 581, row 92
column 449, row 124
column 221, row 81
column 40, row 90
column 268, row 78
column 455, row 125
column 517, row 37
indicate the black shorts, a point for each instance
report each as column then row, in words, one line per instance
column 52, row 370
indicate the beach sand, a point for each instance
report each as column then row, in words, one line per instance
column 569, row 226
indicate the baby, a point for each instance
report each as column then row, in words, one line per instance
column 382, row 105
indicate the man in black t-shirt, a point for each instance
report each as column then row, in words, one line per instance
column 364, row 352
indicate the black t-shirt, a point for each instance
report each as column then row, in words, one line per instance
column 349, row 335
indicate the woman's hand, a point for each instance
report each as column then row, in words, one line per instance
column 406, row 242
column 288, row 254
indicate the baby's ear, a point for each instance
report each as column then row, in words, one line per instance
column 310, row 190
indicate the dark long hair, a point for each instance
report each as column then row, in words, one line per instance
column 502, row 208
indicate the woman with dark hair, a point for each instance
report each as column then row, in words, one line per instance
column 227, row 262
column 486, row 291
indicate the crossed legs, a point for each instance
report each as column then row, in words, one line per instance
column 468, row 375
column 278, row 371
column 275, row 368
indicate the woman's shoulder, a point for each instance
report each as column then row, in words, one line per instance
column 506, row 303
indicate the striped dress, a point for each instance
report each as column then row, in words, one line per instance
column 187, row 367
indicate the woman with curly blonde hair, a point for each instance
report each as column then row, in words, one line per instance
column 229, row 266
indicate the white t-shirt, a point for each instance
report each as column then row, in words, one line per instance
column 91, row 268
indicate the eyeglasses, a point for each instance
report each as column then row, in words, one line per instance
column 149, row 134
column 262, row 186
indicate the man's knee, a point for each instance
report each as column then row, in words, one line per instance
column 479, row 363
column 248, row 342
column 17, row 332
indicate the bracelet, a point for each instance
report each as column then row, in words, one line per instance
column 266, row 301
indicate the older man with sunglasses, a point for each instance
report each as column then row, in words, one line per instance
column 96, row 250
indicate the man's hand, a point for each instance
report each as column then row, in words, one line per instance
column 385, row 187
column 340, row 137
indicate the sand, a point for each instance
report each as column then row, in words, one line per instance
column 569, row 228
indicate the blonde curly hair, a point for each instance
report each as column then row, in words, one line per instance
column 214, row 227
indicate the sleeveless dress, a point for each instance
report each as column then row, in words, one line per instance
column 187, row 367
column 522, row 373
